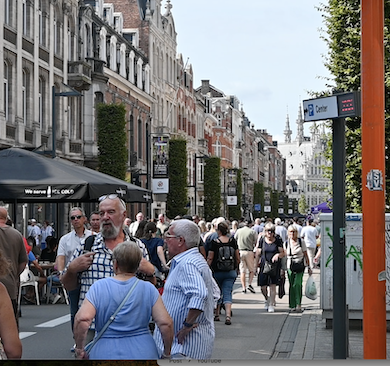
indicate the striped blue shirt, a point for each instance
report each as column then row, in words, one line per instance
column 189, row 286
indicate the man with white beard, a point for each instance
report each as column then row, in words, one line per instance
column 85, row 268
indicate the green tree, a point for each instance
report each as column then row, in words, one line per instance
column 342, row 35
column 302, row 205
column 177, row 170
column 111, row 139
column 274, row 203
column 212, row 188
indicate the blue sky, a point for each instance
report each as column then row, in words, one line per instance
column 267, row 53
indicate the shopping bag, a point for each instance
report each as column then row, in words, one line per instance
column 311, row 289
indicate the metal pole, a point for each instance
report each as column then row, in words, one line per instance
column 373, row 179
column 53, row 120
column 340, row 318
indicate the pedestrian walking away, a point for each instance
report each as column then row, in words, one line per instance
column 223, row 258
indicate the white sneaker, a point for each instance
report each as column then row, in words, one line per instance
column 56, row 298
column 266, row 305
column 271, row 309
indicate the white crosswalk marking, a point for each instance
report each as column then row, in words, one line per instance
column 23, row 335
column 54, row 322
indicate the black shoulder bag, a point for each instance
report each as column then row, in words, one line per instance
column 296, row 267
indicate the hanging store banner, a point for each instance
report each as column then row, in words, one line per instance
column 160, row 186
column 232, row 187
column 160, row 156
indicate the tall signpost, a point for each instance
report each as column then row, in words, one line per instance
column 336, row 108
column 373, row 178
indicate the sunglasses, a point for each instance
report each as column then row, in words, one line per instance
column 112, row 196
column 270, row 231
column 78, row 217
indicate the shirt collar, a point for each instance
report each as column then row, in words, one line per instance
column 179, row 257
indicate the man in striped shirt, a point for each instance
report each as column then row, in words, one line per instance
column 188, row 294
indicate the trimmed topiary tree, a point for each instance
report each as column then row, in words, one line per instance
column 111, row 139
column 212, row 188
column 177, row 172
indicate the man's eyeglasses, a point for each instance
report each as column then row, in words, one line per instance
column 170, row 236
column 78, row 217
column 112, row 196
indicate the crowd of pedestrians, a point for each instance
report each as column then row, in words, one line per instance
column 108, row 265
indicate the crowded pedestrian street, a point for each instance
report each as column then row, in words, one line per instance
column 254, row 334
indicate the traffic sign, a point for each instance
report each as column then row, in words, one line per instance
column 336, row 106
column 320, row 109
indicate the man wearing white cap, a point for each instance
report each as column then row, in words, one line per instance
column 35, row 232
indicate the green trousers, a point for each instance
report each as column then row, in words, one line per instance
column 295, row 288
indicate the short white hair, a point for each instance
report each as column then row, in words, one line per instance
column 278, row 221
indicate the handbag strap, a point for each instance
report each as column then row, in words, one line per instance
column 112, row 317
column 289, row 245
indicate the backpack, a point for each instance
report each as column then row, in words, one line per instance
column 225, row 257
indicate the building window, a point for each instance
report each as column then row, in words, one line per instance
column 7, row 12
column 218, row 116
column 24, row 18
column 6, row 91
column 131, row 134
column 87, row 42
column 70, row 43
column 200, row 172
column 140, row 139
column 55, row 34
column 40, row 23
column 24, row 97
column 218, row 149
column 41, row 93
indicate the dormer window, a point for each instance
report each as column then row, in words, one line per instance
column 218, row 116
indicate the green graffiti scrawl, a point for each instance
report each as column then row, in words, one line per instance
column 357, row 254
column 330, row 258
column 353, row 252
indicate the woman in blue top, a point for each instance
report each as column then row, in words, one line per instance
column 128, row 337
column 155, row 247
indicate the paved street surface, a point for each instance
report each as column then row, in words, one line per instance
column 254, row 334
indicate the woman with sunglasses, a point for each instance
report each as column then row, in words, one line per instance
column 269, row 249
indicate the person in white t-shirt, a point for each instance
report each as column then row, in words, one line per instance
column 134, row 225
column 68, row 243
column 310, row 234
column 280, row 229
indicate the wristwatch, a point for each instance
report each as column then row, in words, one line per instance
column 187, row 325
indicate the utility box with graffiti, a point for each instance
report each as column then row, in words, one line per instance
column 353, row 265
